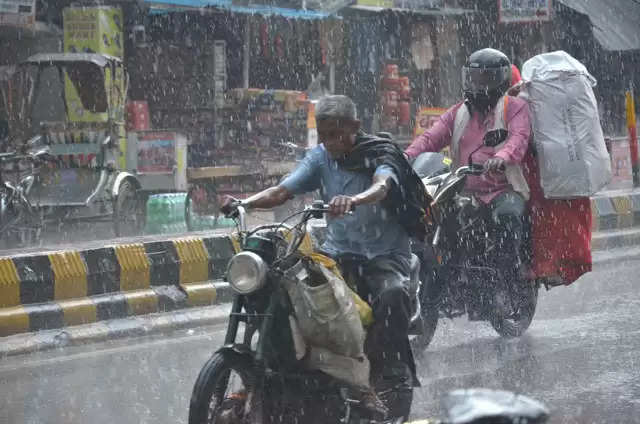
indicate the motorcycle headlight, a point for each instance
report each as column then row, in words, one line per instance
column 247, row 272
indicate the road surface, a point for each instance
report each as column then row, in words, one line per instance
column 580, row 357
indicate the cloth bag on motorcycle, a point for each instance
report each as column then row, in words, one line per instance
column 572, row 157
column 327, row 317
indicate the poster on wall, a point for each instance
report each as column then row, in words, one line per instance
column 427, row 116
column 519, row 11
column 156, row 152
column 19, row 13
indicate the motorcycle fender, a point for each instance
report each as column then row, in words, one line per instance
column 119, row 180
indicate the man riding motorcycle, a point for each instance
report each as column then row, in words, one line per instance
column 360, row 177
column 502, row 189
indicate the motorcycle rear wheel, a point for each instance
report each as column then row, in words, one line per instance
column 225, row 392
column 515, row 325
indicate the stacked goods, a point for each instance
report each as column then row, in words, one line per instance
column 404, row 103
column 389, row 98
column 395, row 100
column 138, row 115
column 165, row 213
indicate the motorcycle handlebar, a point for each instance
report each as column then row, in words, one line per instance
column 473, row 169
column 316, row 209
column 14, row 157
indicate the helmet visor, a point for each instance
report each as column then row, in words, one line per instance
column 484, row 80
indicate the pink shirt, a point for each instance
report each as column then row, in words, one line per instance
column 487, row 186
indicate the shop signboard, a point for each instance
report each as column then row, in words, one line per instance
column 404, row 4
column 620, row 163
column 156, row 152
column 18, row 13
column 426, row 118
column 519, row 11
column 95, row 29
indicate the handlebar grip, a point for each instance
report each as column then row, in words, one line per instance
column 325, row 208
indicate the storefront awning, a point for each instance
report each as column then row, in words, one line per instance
column 615, row 22
column 322, row 9
column 418, row 8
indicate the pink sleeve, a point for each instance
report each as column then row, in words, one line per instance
column 519, row 129
column 435, row 138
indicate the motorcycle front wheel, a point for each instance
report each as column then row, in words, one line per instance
column 517, row 321
column 225, row 392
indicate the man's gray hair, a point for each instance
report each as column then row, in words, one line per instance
column 337, row 107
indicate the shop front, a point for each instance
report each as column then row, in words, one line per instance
column 399, row 63
column 238, row 81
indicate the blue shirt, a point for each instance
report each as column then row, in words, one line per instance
column 370, row 231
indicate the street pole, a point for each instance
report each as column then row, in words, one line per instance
column 246, row 52
column 633, row 139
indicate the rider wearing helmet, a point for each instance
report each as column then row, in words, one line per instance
column 486, row 78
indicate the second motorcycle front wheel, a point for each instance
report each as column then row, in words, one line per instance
column 226, row 392
column 521, row 310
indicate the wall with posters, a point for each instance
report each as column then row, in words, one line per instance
column 18, row 13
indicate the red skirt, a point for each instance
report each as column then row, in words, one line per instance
column 561, row 232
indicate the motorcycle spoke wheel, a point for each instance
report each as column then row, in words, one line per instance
column 522, row 310
column 225, row 394
column 229, row 402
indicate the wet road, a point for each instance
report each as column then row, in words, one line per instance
column 580, row 357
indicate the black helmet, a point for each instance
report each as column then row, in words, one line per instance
column 486, row 78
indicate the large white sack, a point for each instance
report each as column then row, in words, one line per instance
column 572, row 157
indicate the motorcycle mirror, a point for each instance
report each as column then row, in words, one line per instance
column 495, row 137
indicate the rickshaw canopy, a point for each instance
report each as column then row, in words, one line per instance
column 65, row 59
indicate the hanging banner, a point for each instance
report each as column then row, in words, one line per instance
column 519, row 11
column 19, row 13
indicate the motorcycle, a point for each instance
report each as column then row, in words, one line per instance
column 255, row 377
column 459, row 273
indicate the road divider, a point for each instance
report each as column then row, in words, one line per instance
column 55, row 290
column 59, row 289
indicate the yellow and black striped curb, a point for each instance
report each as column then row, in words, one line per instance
column 66, row 288
column 615, row 212
column 19, row 344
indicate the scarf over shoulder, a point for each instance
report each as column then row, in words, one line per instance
column 408, row 201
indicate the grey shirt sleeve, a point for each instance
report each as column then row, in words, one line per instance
column 306, row 176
